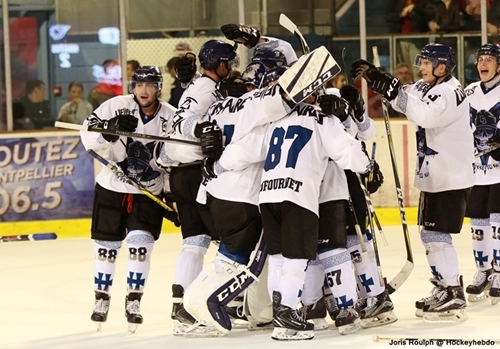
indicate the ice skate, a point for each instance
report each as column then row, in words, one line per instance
column 494, row 292
column 480, row 286
column 236, row 313
column 377, row 311
column 420, row 304
column 448, row 306
column 330, row 303
column 133, row 310
column 185, row 325
column 288, row 324
column 101, row 308
column 316, row 313
column 348, row 321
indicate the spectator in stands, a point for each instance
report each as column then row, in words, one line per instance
column 110, row 83
column 404, row 74
column 32, row 110
column 447, row 18
column 176, row 89
column 494, row 18
column 132, row 66
column 76, row 109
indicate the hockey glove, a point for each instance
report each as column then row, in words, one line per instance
column 207, row 169
column 125, row 122
column 210, row 136
column 378, row 81
column 334, row 105
column 375, row 178
column 185, row 67
column 232, row 87
column 242, row 34
column 351, row 94
column 172, row 217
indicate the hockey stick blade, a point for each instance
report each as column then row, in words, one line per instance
column 28, row 237
column 119, row 173
column 493, row 146
column 77, row 127
column 286, row 23
column 308, row 74
column 403, row 275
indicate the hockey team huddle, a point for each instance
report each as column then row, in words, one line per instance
column 282, row 185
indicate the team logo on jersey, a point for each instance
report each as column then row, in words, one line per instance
column 137, row 164
column 423, row 152
column 486, row 126
column 460, row 94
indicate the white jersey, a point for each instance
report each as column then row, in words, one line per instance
column 193, row 105
column 275, row 44
column 237, row 117
column 444, row 136
column 296, row 149
column 485, row 116
column 334, row 185
column 133, row 155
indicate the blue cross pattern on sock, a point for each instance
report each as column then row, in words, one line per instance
column 480, row 259
column 496, row 257
column 343, row 303
column 366, row 282
column 138, row 282
column 436, row 273
column 103, row 281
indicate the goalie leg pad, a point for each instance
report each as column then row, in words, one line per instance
column 258, row 306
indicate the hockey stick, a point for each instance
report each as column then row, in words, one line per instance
column 28, row 237
column 286, row 23
column 357, row 228
column 401, row 277
column 77, row 127
column 122, row 176
column 493, row 146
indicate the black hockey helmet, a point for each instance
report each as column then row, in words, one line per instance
column 215, row 51
column 274, row 74
column 488, row 50
column 147, row 73
column 438, row 53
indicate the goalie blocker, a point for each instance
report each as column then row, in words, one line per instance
column 308, row 74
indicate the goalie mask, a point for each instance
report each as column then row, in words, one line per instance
column 270, row 58
column 148, row 74
column 437, row 53
column 254, row 74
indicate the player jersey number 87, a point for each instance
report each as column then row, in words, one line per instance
column 300, row 136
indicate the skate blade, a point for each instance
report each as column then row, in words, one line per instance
column 351, row 328
column 98, row 326
column 195, row 330
column 239, row 324
column 458, row 315
column 495, row 300
column 419, row 313
column 132, row 327
column 319, row 324
column 260, row 326
column 380, row 320
column 284, row 334
column 477, row 297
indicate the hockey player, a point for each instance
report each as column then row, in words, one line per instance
column 120, row 211
column 217, row 58
column 295, row 149
column 438, row 107
column 483, row 206
column 233, row 200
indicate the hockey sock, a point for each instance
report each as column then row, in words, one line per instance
column 481, row 242
column 313, row 285
column 190, row 260
column 340, row 276
column 495, row 240
column 441, row 256
column 293, row 274
column 275, row 267
column 140, row 245
column 106, row 253
column 365, row 266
